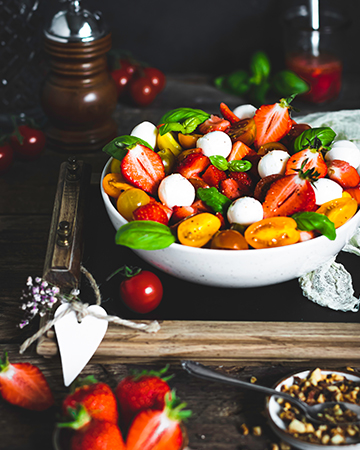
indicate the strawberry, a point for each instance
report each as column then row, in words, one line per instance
column 245, row 182
column 230, row 188
column 290, row 194
column 90, row 433
column 312, row 159
column 159, row 430
column 239, row 150
column 215, row 123
column 273, row 122
column 343, row 173
column 97, row 397
column 151, row 211
column 137, row 392
column 212, row 176
column 143, row 168
column 24, row 385
column 192, row 165
column 263, row 186
column 228, row 114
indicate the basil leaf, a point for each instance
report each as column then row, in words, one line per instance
column 239, row 165
column 309, row 221
column 260, row 67
column 215, row 199
column 309, row 138
column 144, row 235
column 219, row 162
column 118, row 147
column 184, row 120
column 238, row 82
column 287, row 82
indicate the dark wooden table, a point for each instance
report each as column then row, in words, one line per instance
column 26, row 200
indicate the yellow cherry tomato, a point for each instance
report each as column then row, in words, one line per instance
column 339, row 210
column 168, row 141
column 188, row 140
column 115, row 166
column 198, row 230
column 229, row 240
column 272, row 232
column 129, row 200
column 114, row 185
column 168, row 159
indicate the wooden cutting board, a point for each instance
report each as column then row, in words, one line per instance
column 211, row 325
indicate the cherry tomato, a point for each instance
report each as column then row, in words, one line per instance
column 114, row 185
column 156, row 77
column 129, row 200
column 272, row 232
column 130, row 66
column 115, row 166
column 354, row 193
column 229, row 240
column 295, row 131
column 168, row 159
column 339, row 210
column 188, row 141
column 268, row 147
column 142, row 292
column 168, row 140
column 244, row 130
column 142, row 91
column 6, row 157
column 198, row 230
column 32, row 145
column 121, row 78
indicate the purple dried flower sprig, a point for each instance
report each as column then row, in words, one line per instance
column 39, row 297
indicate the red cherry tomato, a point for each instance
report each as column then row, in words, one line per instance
column 6, row 157
column 156, row 76
column 121, row 78
column 32, row 145
column 129, row 66
column 142, row 91
column 143, row 292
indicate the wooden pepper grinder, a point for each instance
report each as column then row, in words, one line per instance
column 79, row 94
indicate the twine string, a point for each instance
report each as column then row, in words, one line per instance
column 82, row 310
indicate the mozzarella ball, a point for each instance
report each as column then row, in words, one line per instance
column 345, row 151
column 273, row 162
column 245, row 211
column 215, row 143
column 176, row 190
column 245, row 111
column 326, row 190
column 147, row 132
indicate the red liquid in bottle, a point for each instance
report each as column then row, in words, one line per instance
column 322, row 73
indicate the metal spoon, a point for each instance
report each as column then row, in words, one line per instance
column 311, row 411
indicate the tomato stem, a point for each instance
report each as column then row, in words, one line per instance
column 125, row 271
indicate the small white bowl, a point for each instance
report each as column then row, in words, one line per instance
column 239, row 268
column 273, row 410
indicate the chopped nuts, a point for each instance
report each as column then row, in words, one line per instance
column 319, row 387
column 257, row 431
column 244, row 429
column 253, row 380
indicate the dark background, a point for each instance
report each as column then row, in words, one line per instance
column 209, row 37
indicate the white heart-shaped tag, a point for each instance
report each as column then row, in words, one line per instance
column 78, row 341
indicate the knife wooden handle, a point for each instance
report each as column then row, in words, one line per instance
column 65, row 244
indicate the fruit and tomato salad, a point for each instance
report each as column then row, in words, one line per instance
column 246, row 178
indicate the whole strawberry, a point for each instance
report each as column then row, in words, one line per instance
column 90, row 433
column 97, row 397
column 137, row 392
column 159, row 430
column 24, row 385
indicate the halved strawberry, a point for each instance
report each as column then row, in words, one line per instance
column 230, row 188
column 215, row 123
column 158, row 430
column 307, row 159
column 212, row 176
column 192, row 165
column 143, row 168
column 239, row 150
column 24, row 385
column 273, row 122
column 151, row 211
column 228, row 114
column 343, row 173
column 288, row 195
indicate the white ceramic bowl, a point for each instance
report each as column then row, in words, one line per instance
column 273, row 410
column 239, row 268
